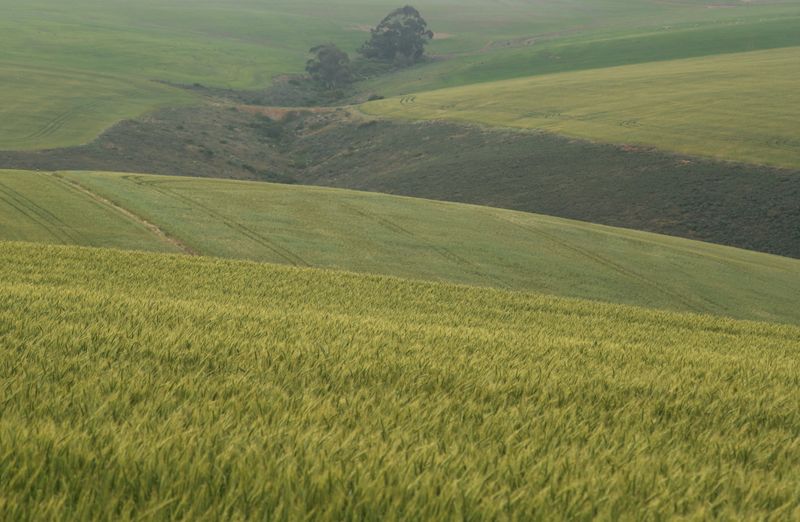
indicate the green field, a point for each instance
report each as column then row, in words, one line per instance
column 196, row 348
column 74, row 68
column 581, row 50
column 407, row 237
column 42, row 208
column 721, row 106
column 243, row 43
column 153, row 387
column 51, row 107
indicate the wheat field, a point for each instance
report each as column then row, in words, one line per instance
column 739, row 107
column 162, row 387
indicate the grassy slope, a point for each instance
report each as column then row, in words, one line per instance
column 537, row 172
column 719, row 106
column 415, row 238
column 53, row 50
column 242, row 43
column 595, row 50
column 43, row 208
column 54, row 107
column 220, row 389
column 88, row 63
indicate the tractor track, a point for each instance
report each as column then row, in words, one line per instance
column 55, row 124
column 282, row 252
column 691, row 304
column 97, row 198
column 446, row 254
column 37, row 214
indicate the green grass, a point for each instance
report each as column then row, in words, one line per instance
column 52, row 107
column 593, row 50
column 415, row 238
column 85, row 64
column 152, row 387
column 43, row 208
column 719, row 106
column 243, row 43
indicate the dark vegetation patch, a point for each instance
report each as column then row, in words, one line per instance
column 740, row 205
column 285, row 91
column 299, row 90
column 397, row 42
column 207, row 141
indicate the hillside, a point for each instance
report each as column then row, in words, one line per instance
column 531, row 171
column 380, row 234
column 42, row 208
column 221, row 389
column 717, row 106
column 745, row 28
column 57, row 107
column 533, row 260
column 74, row 69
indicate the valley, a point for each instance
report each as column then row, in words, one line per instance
column 354, row 260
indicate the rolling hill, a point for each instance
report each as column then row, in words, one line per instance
column 40, row 208
column 74, row 69
column 150, row 386
column 373, row 233
column 581, row 49
column 719, row 106
column 54, row 107
column 530, row 171
column 198, row 348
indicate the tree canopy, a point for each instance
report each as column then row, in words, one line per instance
column 330, row 66
column 400, row 38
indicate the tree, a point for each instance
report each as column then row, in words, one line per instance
column 330, row 66
column 400, row 38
